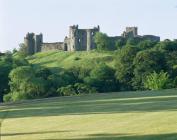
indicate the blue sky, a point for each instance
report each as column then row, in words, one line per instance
column 52, row 18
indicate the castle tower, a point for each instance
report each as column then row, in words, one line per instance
column 33, row 42
column 133, row 30
column 130, row 32
column 38, row 39
column 73, row 31
column 29, row 43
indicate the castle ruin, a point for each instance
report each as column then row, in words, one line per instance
column 132, row 32
column 78, row 40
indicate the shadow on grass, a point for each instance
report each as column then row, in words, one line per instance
column 171, row 136
column 91, row 105
column 34, row 133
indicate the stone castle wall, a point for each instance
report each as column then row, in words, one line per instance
column 78, row 40
column 81, row 39
column 52, row 46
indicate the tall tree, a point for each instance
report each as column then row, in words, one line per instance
column 124, row 66
column 146, row 62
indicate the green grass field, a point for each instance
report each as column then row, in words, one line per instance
column 60, row 59
column 149, row 115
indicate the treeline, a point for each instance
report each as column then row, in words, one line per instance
column 138, row 65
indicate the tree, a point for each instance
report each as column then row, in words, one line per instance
column 134, row 41
column 120, row 43
column 18, row 61
column 23, row 50
column 79, row 73
column 146, row 62
column 103, row 42
column 146, row 44
column 5, row 69
column 171, row 59
column 24, row 84
column 102, row 77
column 6, row 65
column 124, row 66
column 167, row 45
column 43, row 73
column 156, row 81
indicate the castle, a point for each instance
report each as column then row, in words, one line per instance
column 78, row 40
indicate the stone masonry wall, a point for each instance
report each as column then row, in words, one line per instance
column 52, row 46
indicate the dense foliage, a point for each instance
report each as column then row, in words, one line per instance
column 156, row 81
column 137, row 64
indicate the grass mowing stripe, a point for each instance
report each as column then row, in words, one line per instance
column 148, row 115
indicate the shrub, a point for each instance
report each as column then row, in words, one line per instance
column 7, row 97
column 156, row 81
column 76, row 89
column 84, row 89
column 66, row 91
column 102, row 77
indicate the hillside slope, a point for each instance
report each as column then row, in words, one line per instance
column 149, row 115
column 55, row 59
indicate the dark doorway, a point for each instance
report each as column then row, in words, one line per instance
column 65, row 47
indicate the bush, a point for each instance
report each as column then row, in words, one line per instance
column 76, row 89
column 84, row 89
column 7, row 97
column 157, row 81
column 66, row 91
column 102, row 77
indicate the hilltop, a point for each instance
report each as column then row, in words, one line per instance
column 62, row 59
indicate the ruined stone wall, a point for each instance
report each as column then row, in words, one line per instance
column 78, row 40
column 81, row 39
column 130, row 32
column 90, row 38
column 67, row 44
column 52, row 46
column 151, row 37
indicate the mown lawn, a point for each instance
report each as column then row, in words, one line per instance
column 149, row 115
